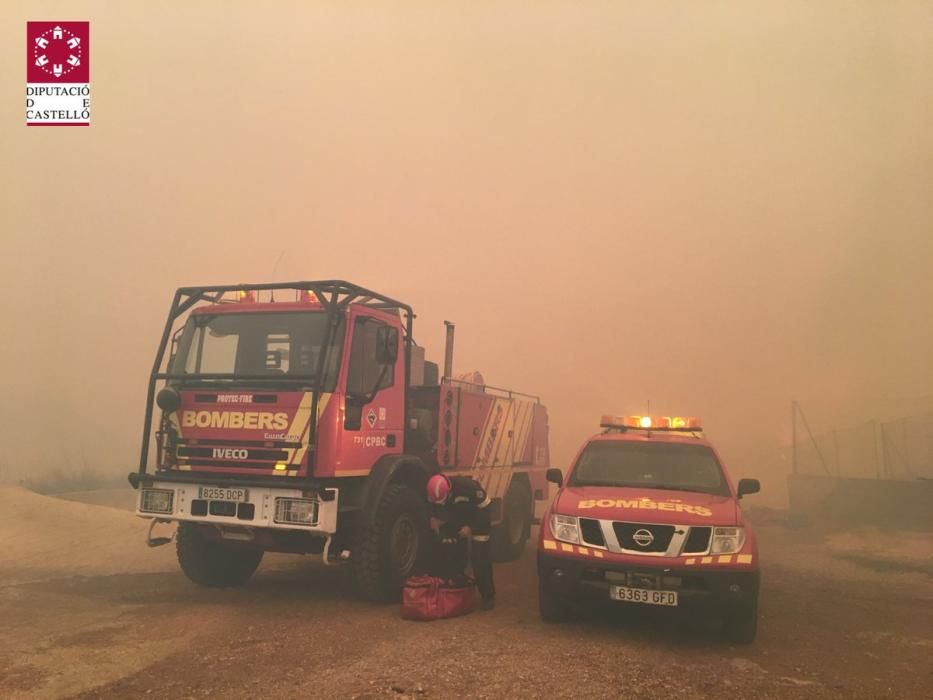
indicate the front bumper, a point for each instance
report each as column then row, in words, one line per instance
column 258, row 510
column 579, row 580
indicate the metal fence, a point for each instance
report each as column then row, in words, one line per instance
column 896, row 449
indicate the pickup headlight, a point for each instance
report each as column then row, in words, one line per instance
column 727, row 540
column 565, row 528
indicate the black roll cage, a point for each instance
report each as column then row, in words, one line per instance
column 333, row 295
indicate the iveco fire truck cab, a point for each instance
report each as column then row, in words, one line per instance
column 302, row 417
column 648, row 516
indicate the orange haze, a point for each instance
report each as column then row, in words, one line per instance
column 712, row 206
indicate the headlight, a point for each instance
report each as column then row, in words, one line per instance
column 296, row 511
column 727, row 540
column 156, row 501
column 564, row 527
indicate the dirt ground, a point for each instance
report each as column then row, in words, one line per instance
column 88, row 611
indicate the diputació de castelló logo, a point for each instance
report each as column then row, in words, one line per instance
column 58, row 74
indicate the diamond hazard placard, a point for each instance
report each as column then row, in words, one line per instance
column 58, row 74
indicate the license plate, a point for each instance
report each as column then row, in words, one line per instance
column 219, row 493
column 643, row 595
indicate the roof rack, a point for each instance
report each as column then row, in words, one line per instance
column 330, row 293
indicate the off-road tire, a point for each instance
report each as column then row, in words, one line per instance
column 741, row 624
column 376, row 576
column 214, row 563
column 511, row 535
column 551, row 606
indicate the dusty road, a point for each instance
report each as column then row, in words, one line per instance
column 129, row 625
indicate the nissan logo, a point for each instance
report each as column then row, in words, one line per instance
column 643, row 537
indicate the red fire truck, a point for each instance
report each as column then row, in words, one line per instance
column 303, row 417
column 649, row 516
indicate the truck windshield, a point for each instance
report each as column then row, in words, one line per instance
column 281, row 346
column 655, row 465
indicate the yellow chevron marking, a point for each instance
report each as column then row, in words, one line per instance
column 484, row 435
column 550, row 544
column 743, row 559
column 597, row 554
column 566, row 547
column 725, row 559
column 706, row 560
column 521, row 435
column 690, row 562
column 583, row 550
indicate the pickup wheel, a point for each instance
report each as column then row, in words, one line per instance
column 510, row 536
column 391, row 546
column 214, row 563
column 742, row 624
column 552, row 607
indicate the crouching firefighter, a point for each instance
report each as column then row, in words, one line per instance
column 459, row 507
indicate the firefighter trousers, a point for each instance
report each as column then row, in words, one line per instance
column 481, row 555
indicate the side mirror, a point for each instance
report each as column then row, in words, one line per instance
column 386, row 345
column 747, row 486
column 555, row 476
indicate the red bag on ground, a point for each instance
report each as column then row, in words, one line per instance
column 426, row 598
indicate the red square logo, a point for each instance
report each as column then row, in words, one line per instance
column 58, row 52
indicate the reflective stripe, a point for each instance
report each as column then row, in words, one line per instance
column 743, row 559
column 550, row 544
column 484, row 503
column 481, row 538
column 461, row 499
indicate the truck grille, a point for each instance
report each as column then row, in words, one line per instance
column 629, row 535
column 234, row 454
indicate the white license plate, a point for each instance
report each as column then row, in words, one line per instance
column 218, row 493
column 643, row 595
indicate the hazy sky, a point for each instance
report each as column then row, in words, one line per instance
column 716, row 206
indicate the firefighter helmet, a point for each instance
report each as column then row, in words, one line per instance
column 438, row 488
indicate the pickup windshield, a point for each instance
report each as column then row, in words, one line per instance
column 283, row 346
column 655, row 465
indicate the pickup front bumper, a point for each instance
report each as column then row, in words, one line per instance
column 578, row 580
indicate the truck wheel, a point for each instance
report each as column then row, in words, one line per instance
column 552, row 607
column 742, row 624
column 214, row 563
column 391, row 547
column 509, row 536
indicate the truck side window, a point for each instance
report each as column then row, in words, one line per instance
column 364, row 370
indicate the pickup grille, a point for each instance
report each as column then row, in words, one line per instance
column 592, row 533
column 628, row 535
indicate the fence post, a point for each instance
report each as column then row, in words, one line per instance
column 882, row 466
column 836, row 450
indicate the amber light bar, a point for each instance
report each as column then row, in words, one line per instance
column 651, row 422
